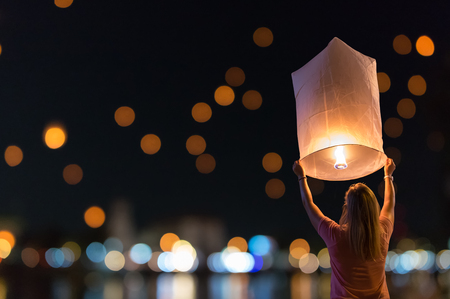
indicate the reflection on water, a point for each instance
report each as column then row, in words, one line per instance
column 268, row 285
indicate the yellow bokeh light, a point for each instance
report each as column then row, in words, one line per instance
column 205, row 163
column 235, row 76
column 150, row 144
column 13, row 155
column 393, row 127
column 417, row 85
column 324, row 258
column 124, row 116
column 384, row 82
column 196, row 145
column 8, row 236
column 72, row 174
column 425, row 46
column 238, row 242
column 298, row 252
column 275, row 188
column 402, row 45
column 436, row 141
column 54, row 136
column 224, row 95
column 75, row 249
column 201, row 112
column 299, row 243
column 406, row 108
column 114, row 260
column 94, row 217
column 272, row 162
column 252, row 100
column 167, row 241
column 5, row 248
column 30, row 257
column 263, row 37
column 63, row 3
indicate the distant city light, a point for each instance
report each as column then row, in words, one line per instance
column 252, row 100
column 309, row 263
column 150, row 144
column 140, row 253
column 201, row 112
column 263, row 37
column 13, row 155
column 54, row 136
column 235, row 76
column 298, row 248
column 96, row 252
column 114, row 260
column 402, row 44
column 54, row 257
column 260, row 245
column 72, row 174
column 425, row 46
column 124, row 116
column 94, row 217
column 166, row 262
column 224, row 95
column 167, row 241
column 384, row 82
column 238, row 242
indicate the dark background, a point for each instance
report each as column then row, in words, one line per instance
column 78, row 65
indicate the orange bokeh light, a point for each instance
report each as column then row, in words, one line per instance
column 252, row 100
column 150, row 144
column 235, row 76
column 263, row 37
column 167, row 241
column 275, row 188
column 205, row 163
column 425, row 46
column 30, row 257
column 406, row 108
column 238, row 242
column 72, row 174
column 196, row 145
column 384, row 82
column 124, row 116
column 402, row 45
column 272, row 162
column 13, row 155
column 9, row 237
column 54, row 136
column 299, row 244
column 63, row 3
column 417, row 85
column 393, row 127
column 224, row 95
column 201, row 112
column 94, row 217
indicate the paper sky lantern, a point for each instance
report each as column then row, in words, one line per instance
column 338, row 114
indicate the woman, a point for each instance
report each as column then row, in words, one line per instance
column 358, row 245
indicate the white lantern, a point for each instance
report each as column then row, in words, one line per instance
column 338, row 114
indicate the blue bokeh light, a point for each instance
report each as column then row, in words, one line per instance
column 140, row 253
column 113, row 244
column 259, row 245
column 96, row 252
column 54, row 257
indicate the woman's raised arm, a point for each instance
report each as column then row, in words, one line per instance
column 389, row 193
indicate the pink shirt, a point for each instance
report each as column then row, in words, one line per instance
column 352, row 277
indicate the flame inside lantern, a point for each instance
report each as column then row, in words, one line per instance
column 340, row 158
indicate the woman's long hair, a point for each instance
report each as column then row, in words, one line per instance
column 360, row 214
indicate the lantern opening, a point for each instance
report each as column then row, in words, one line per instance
column 340, row 158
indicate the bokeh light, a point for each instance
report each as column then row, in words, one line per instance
column 425, row 46
column 54, row 257
column 124, row 116
column 252, row 100
column 272, row 162
column 167, row 241
column 63, row 3
column 224, row 95
column 1, row 49
column 406, row 108
column 196, row 145
column 30, row 257
column 235, row 76
column 417, row 85
column 201, row 112
column 239, row 243
column 9, row 237
column 324, row 259
column 5, row 248
column 205, row 163
column 94, row 217
column 54, row 136
column 74, row 247
column 275, row 188
column 114, row 260
column 72, row 174
column 153, row 262
column 393, row 127
column 260, row 245
column 309, row 263
column 238, row 262
column 96, row 252
column 402, row 44
column 140, row 253
column 13, row 155
column 384, row 82
column 263, row 37
column 165, row 262
column 394, row 153
column 113, row 244
column 436, row 141
column 298, row 248
column 150, row 144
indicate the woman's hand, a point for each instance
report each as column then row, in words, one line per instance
column 298, row 169
column 389, row 167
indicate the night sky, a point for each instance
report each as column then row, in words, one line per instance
column 79, row 64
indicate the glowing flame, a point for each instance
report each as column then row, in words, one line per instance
column 340, row 158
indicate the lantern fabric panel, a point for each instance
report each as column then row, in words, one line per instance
column 337, row 101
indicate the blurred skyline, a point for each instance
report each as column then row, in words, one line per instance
column 78, row 65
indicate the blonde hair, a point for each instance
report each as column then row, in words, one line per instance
column 360, row 215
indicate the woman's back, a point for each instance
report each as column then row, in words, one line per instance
column 353, row 277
